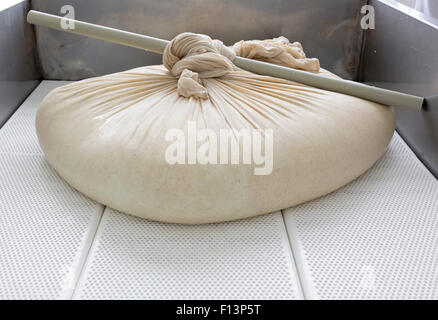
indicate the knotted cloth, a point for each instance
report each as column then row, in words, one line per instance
column 192, row 57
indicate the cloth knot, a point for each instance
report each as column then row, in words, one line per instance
column 192, row 57
column 277, row 51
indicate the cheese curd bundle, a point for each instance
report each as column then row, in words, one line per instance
column 198, row 140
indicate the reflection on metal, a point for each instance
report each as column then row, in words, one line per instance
column 18, row 70
column 409, row 10
column 329, row 30
column 402, row 54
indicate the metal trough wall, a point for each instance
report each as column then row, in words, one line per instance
column 329, row 30
column 18, row 64
column 402, row 54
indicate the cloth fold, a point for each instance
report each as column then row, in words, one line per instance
column 192, row 57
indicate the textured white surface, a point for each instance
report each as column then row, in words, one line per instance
column 140, row 259
column 46, row 227
column 376, row 238
column 18, row 134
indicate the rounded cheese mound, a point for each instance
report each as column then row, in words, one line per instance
column 126, row 139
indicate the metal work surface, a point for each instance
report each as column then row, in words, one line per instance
column 402, row 54
column 328, row 31
column 18, row 63
column 374, row 238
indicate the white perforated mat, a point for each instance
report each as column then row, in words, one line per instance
column 376, row 238
column 140, row 259
column 18, row 135
column 46, row 227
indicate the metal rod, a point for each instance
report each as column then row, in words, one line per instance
column 96, row 31
column 352, row 88
column 360, row 90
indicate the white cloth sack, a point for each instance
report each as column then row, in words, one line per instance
column 106, row 136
